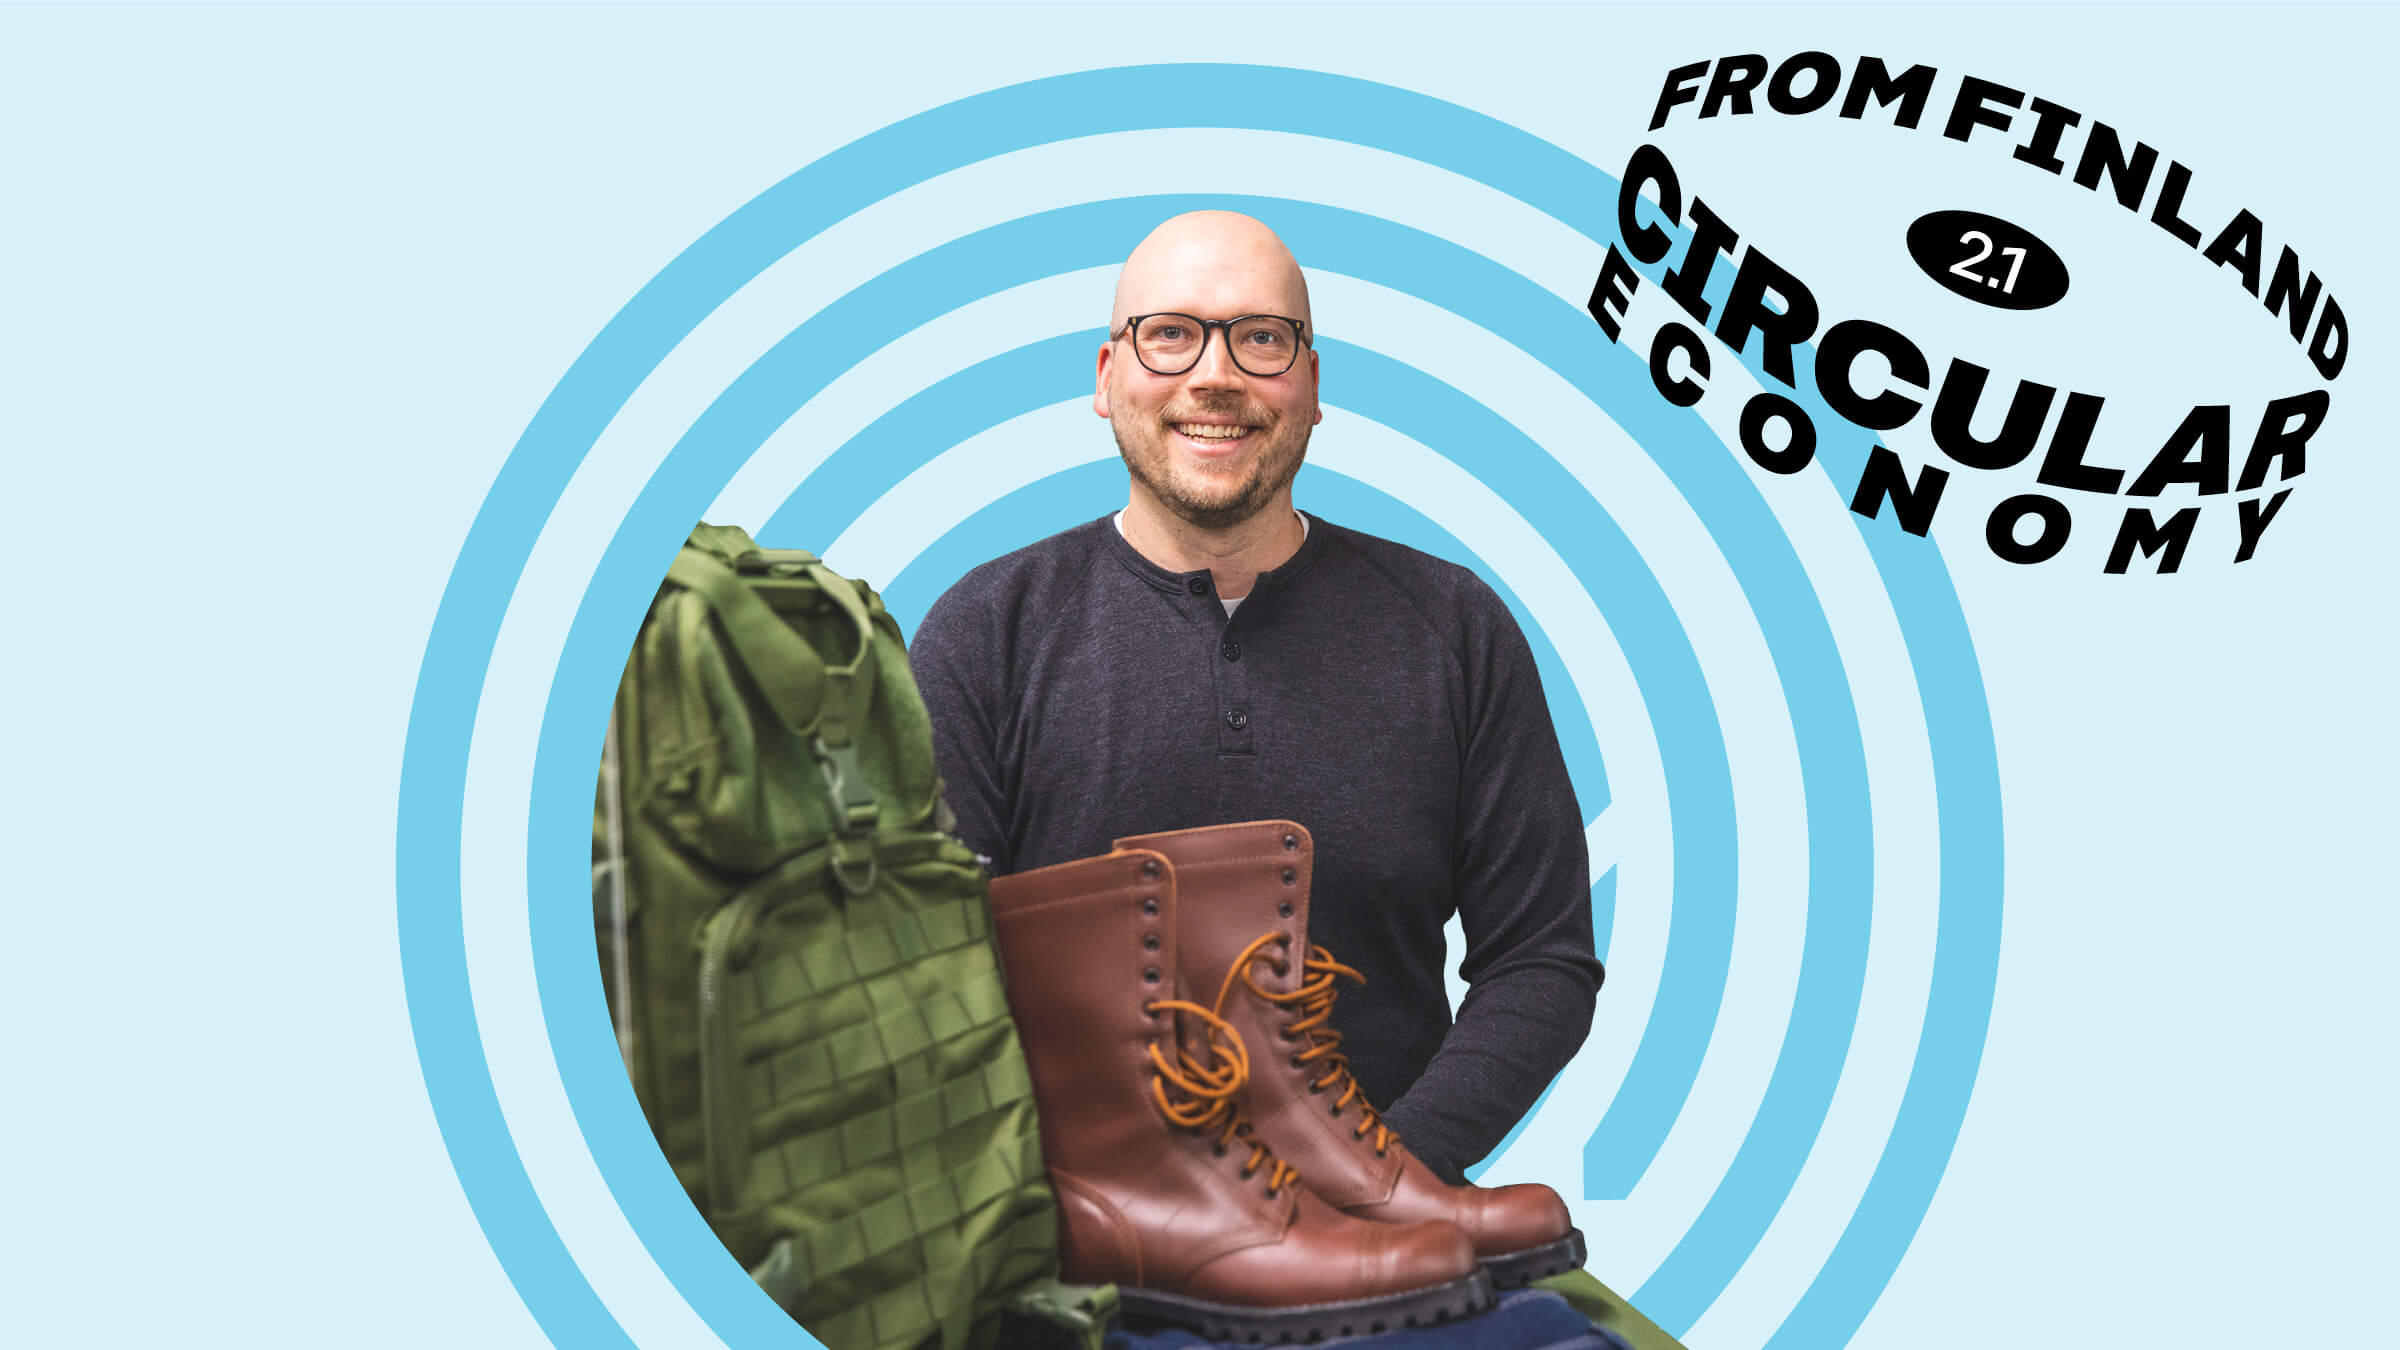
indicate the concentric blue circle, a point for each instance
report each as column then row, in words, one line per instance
column 1416, row 402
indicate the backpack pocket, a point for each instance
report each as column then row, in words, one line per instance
column 872, row 1149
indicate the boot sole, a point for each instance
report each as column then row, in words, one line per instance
column 1514, row 1270
column 1302, row 1324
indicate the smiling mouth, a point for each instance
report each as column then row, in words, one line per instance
column 1212, row 433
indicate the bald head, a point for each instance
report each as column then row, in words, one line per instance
column 1212, row 264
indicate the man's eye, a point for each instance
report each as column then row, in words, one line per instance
column 1170, row 332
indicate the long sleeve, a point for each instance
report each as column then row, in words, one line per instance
column 1523, row 886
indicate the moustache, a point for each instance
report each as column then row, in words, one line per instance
column 1234, row 410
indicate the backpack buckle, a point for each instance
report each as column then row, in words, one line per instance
column 854, row 814
column 846, row 785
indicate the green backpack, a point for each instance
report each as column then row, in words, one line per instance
column 799, row 959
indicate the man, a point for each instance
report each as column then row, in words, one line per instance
column 1210, row 655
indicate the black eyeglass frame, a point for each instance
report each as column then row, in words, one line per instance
column 1131, row 332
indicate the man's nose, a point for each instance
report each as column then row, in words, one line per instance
column 1215, row 368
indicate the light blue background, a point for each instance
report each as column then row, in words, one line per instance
column 283, row 287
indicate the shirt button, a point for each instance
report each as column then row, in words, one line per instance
column 1232, row 650
column 1197, row 585
column 1236, row 718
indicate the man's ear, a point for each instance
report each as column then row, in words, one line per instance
column 1100, row 379
column 1314, row 401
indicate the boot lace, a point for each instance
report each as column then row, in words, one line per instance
column 1319, row 986
column 1205, row 1095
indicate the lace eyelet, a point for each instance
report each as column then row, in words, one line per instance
column 1313, row 1089
column 1297, row 1063
column 1220, row 1150
column 1291, row 843
column 1337, row 1111
column 1150, row 906
column 1284, row 909
column 1291, row 875
column 1150, row 975
column 1149, row 942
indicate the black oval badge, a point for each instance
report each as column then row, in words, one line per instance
column 1988, row 260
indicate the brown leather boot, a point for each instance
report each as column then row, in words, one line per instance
column 1163, row 1189
column 1242, row 942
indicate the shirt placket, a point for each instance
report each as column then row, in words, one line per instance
column 1237, row 723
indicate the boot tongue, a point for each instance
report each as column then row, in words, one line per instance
column 1343, row 1081
column 1191, row 1035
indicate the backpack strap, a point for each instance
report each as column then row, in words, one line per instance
column 821, row 702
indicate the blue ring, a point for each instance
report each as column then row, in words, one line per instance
column 593, row 389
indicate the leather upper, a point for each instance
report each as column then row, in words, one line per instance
column 1237, row 883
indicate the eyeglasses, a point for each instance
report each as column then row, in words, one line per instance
column 1170, row 344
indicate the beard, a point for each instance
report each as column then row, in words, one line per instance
column 1213, row 497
